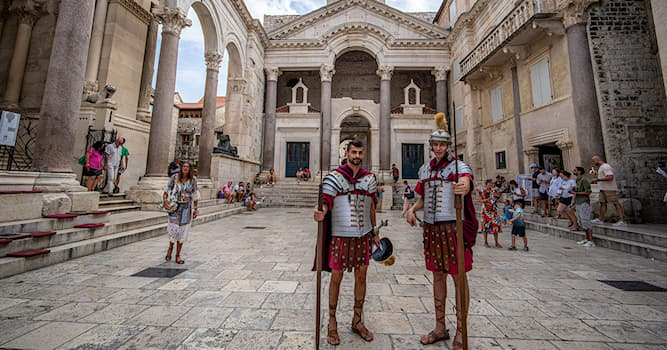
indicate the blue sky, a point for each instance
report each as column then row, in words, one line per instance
column 191, row 74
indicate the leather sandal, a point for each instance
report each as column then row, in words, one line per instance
column 178, row 260
column 359, row 328
column 433, row 337
column 168, row 257
column 332, row 335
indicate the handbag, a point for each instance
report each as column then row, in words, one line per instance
column 171, row 202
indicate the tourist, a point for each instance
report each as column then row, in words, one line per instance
column 507, row 211
column 93, row 165
column 535, row 187
column 408, row 194
column 113, row 153
column 306, row 174
column 566, row 199
column 272, row 177
column 227, row 192
column 380, row 197
column 554, row 190
column 174, row 167
column 518, row 193
column 258, row 180
column 543, row 180
column 250, row 201
column 500, row 184
column 350, row 244
column 518, row 227
column 239, row 191
column 582, row 203
column 490, row 219
column 437, row 186
column 394, row 175
column 299, row 175
column 608, row 190
column 124, row 161
column 183, row 187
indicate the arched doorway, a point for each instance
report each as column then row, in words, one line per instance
column 356, row 127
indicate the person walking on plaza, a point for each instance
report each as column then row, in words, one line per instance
column 608, row 190
column 582, row 203
column 394, row 175
column 437, row 188
column 491, row 222
column 566, row 199
column 93, row 165
column 183, row 187
column 518, row 193
column 518, row 227
column 543, row 180
column 113, row 153
column 124, row 161
column 349, row 194
column 535, row 187
column 408, row 194
column 554, row 190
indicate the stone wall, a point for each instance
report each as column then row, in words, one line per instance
column 632, row 99
column 225, row 168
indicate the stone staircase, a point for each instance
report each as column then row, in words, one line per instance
column 50, row 240
column 397, row 196
column 117, row 203
column 645, row 240
column 289, row 194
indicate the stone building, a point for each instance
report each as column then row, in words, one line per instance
column 188, row 132
column 555, row 82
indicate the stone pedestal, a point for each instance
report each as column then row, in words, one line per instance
column 148, row 192
column 207, row 188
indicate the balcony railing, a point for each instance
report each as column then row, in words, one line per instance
column 522, row 13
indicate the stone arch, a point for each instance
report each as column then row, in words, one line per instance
column 373, row 42
column 362, row 112
column 235, row 55
column 213, row 37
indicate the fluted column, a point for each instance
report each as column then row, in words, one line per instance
column 440, row 74
column 27, row 12
column 145, row 89
column 95, row 48
column 207, row 138
column 270, row 101
column 584, row 95
column 63, row 88
column 326, row 76
column 385, row 73
column 173, row 21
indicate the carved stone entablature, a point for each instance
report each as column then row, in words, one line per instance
column 564, row 145
column 574, row 11
column 385, row 72
column 440, row 73
column 134, row 8
column 299, row 107
column 173, row 21
column 327, row 72
column 408, row 106
column 272, row 73
column 237, row 85
column 213, row 60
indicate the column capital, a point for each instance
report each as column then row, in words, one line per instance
column 440, row 73
column 575, row 11
column 385, row 72
column 173, row 21
column 28, row 10
column 533, row 151
column 213, row 59
column 564, row 145
column 272, row 73
column 326, row 72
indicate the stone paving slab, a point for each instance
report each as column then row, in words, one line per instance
column 254, row 289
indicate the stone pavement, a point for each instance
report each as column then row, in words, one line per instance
column 252, row 288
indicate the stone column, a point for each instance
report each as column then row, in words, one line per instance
column 584, row 95
column 27, row 12
column 235, row 121
column 95, row 48
column 207, row 138
column 63, row 88
column 161, row 134
column 385, row 73
column 440, row 74
column 517, row 120
column 145, row 89
column 326, row 76
column 270, row 101
column 532, row 154
column 565, row 146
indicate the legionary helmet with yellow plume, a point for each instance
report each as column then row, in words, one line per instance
column 441, row 132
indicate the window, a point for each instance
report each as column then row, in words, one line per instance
column 540, row 83
column 185, row 139
column 501, row 161
column 197, row 140
column 457, row 70
column 458, row 120
column 452, row 13
column 497, row 104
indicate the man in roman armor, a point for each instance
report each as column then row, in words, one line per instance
column 438, row 184
column 349, row 195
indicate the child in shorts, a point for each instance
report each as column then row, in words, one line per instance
column 518, row 227
column 507, row 211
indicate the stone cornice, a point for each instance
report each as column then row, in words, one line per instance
column 251, row 24
column 391, row 43
column 135, row 9
column 425, row 28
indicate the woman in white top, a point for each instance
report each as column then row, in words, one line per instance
column 518, row 193
column 567, row 199
column 554, row 189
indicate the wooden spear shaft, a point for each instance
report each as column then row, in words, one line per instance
column 461, row 287
column 320, row 238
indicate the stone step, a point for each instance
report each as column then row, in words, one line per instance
column 122, row 208
column 602, row 240
column 114, row 202
column 61, row 253
column 51, row 224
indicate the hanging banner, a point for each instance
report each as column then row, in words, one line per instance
column 9, row 127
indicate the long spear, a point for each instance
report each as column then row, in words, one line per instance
column 320, row 239
column 461, row 290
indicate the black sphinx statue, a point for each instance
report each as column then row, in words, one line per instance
column 224, row 146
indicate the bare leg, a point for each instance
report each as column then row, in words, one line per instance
column 603, row 210
column 525, row 241
column 573, row 218
column 334, row 289
column 619, row 210
column 439, row 297
column 359, row 297
column 178, row 259
column 513, row 241
column 171, row 248
column 495, row 237
column 486, row 243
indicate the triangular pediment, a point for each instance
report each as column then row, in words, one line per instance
column 357, row 16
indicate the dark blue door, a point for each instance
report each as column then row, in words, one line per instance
column 298, row 156
column 413, row 159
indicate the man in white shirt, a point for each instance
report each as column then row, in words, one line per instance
column 113, row 153
column 543, row 180
column 608, row 189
